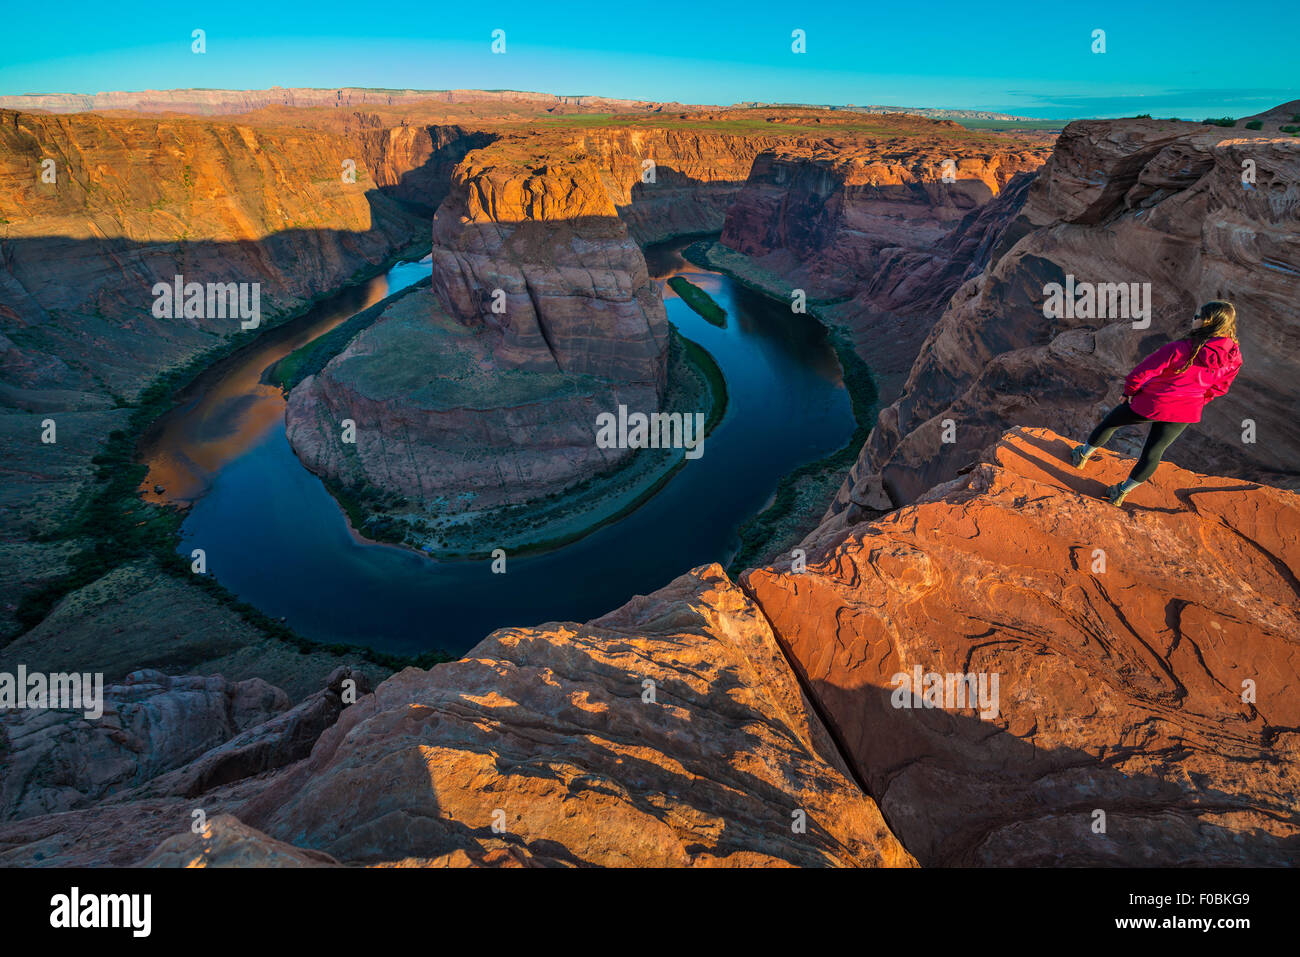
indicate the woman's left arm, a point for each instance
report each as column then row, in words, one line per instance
column 1150, row 367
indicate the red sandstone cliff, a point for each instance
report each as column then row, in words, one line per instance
column 134, row 201
column 882, row 230
column 1147, row 657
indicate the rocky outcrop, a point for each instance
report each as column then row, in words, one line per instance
column 922, row 281
column 1147, row 663
column 533, row 254
column 831, row 218
column 55, row 760
column 413, row 162
column 667, row 733
column 1125, row 201
column 1138, row 666
column 668, row 182
column 531, row 246
column 670, row 732
column 1146, row 658
column 440, row 418
column 170, row 754
column 273, row 743
column 486, row 388
column 132, row 202
column 879, row 231
column 224, row 842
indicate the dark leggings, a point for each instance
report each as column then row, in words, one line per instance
column 1158, row 439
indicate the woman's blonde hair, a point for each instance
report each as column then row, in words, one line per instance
column 1219, row 322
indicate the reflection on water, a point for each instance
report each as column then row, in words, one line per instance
column 229, row 408
column 275, row 537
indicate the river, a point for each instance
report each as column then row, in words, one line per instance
column 273, row 535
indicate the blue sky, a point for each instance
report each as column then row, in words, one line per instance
column 1189, row 59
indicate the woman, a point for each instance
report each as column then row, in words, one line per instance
column 1169, row 388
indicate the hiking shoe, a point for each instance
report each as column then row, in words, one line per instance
column 1116, row 494
column 1078, row 458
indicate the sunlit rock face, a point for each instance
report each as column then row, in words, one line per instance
column 136, row 201
column 1145, row 660
column 486, row 387
column 535, row 254
column 538, row 254
column 669, row 732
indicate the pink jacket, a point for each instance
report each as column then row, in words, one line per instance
column 1157, row 390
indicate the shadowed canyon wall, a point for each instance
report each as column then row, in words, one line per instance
column 135, row 201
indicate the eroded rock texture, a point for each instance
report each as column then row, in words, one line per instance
column 550, row 727
column 1147, row 663
column 129, row 202
column 55, row 760
column 669, row 732
column 440, row 418
column 575, row 296
column 535, row 255
column 1148, row 656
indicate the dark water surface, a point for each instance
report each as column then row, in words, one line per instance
column 276, row 538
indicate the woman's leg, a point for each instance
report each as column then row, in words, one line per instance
column 1119, row 416
column 1161, row 436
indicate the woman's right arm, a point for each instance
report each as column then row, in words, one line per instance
column 1224, row 381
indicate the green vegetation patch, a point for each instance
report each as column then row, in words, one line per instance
column 315, row 355
column 1028, row 126
column 427, row 360
column 699, row 300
